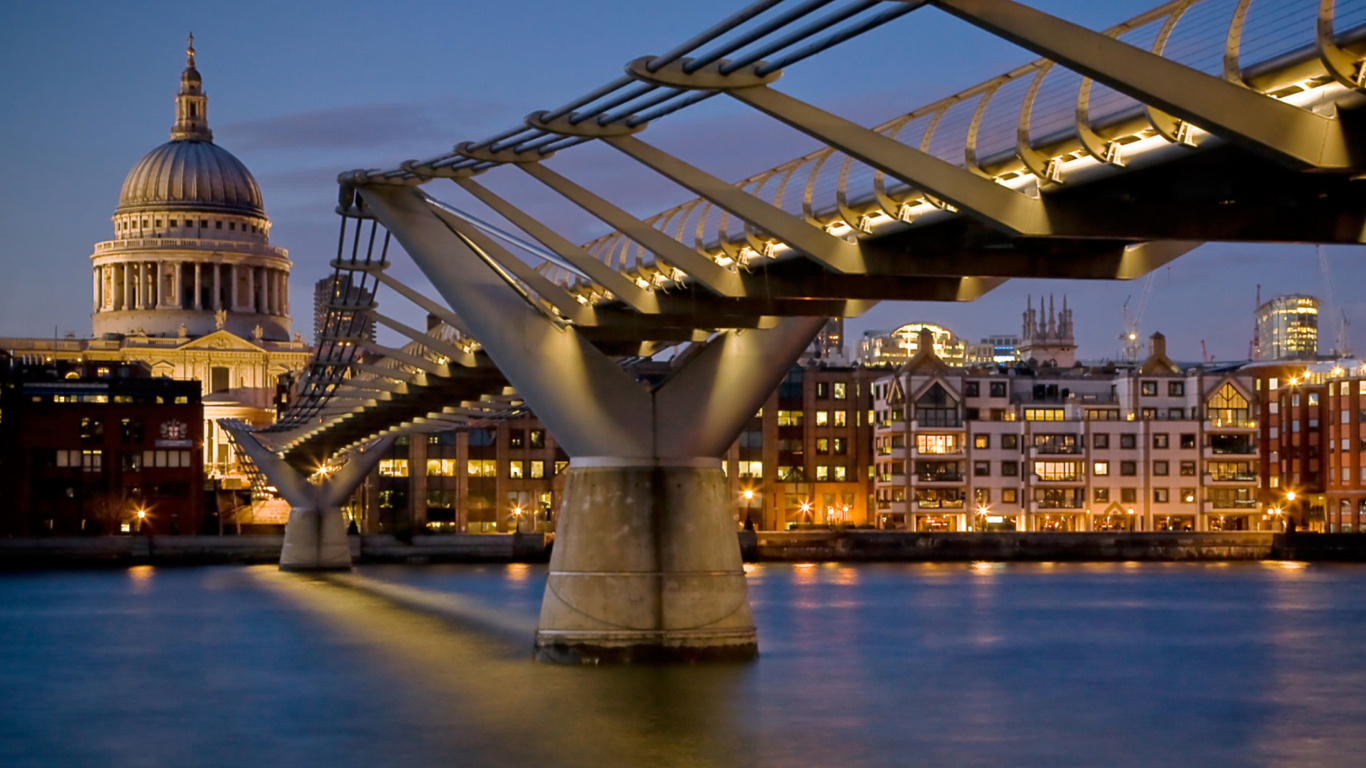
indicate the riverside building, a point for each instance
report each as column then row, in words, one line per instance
column 190, row 285
column 1048, row 448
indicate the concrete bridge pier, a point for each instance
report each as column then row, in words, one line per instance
column 646, row 564
column 315, row 535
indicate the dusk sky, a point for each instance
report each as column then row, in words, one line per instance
column 300, row 91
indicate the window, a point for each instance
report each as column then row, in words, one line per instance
column 1128, row 495
column 218, row 379
column 841, row 474
column 840, row 389
column 1010, row 442
column 1149, row 414
column 1161, row 468
column 537, row 438
column 789, row 418
column 1100, row 468
column 515, row 469
column 1044, row 414
column 1058, row 471
column 981, row 441
column 1228, row 408
column 839, row 446
column 822, row 390
column 92, row 431
column 971, row 389
column 1176, row 414
column 1128, row 468
column 1100, row 440
column 516, row 438
column 751, row 469
column 998, row 389
column 130, row 461
column 822, row 446
column 981, row 469
column 822, row 418
column 1188, row 469
column 1009, row 495
column 1160, row 440
column 822, row 473
column 218, row 225
column 1010, row 468
column 937, row 444
column 1187, row 440
column 1102, row 495
column 841, row 418
column 1056, row 443
column 393, row 467
column 1176, row 388
column 936, row 408
column 1161, row 496
column 1149, row 389
column 441, row 467
column 1313, row 398
column 537, row 470
column 1128, row 441
column 481, row 468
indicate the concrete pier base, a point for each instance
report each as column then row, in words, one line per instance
column 315, row 540
column 645, row 567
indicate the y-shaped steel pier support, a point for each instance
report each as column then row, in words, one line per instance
column 646, row 563
column 315, row 536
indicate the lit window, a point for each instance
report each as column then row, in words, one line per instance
column 515, row 469
column 840, row 418
column 1101, row 469
column 393, row 467
column 840, row 391
column 537, row 470
column 790, row 418
column 822, row 418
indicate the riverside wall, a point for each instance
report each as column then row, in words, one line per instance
column 762, row 546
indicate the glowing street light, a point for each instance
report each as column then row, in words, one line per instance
column 748, row 494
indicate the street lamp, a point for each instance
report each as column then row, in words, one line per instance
column 806, row 510
column 982, row 510
column 517, row 519
column 142, row 517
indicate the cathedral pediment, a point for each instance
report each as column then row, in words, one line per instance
column 221, row 341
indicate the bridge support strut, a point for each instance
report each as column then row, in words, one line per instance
column 646, row 563
column 315, row 535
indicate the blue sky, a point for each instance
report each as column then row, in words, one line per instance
column 302, row 90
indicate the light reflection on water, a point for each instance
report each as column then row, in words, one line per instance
column 964, row 664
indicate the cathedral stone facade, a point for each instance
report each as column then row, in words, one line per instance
column 190, row 285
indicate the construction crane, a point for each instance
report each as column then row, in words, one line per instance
column 1205, row 356
column 1342, row 341
column 1129, row 338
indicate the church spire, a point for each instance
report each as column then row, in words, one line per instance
column 191, row 105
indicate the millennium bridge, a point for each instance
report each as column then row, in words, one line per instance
column 1111, row 154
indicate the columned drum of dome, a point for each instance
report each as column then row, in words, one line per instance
column 191, row 251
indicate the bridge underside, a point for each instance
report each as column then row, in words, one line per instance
column 646, row 563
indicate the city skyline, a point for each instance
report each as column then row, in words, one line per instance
column 298, row 101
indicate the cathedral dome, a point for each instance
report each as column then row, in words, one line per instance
column 191, row 175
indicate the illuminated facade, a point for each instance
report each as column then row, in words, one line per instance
column 190, row 285
column 1066, row 449
column 898, row 346
column 1288, row 328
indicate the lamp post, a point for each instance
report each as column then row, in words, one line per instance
column 142, row 518
column 517, row 519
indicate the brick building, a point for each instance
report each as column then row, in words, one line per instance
column 89, row 448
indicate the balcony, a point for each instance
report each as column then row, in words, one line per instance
column 949, row 453
column 1235, row 507
column 934, row 425
column 934, row 505
column 1058, row 480
column 1231, row 478
column 1248, row 449
column 1036, row 505
column 1230, row 425
column 894, row 453
column 1068, row 450
column 939, row 478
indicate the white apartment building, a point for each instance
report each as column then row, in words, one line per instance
column 1065, row 449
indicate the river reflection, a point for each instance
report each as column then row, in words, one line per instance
column 963, row 664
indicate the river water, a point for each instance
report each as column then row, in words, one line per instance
column 1119, row 664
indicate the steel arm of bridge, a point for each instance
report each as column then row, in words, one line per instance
column 700, row 268
column 557, row 297
column 1253, row 120
column 416, row 361
column 610, row 279
column 378, row 385
column 798, row 234
column 436, row 346
column 444, row 314
column 593, row 407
